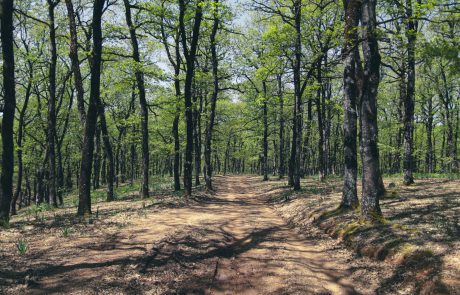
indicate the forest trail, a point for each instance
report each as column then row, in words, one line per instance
column 231, row 243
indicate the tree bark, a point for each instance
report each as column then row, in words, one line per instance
column 108, row 152
column 446, row 99
column 190, row 57
column 175, row 129
column 84, row 204
column 9, row 100
column 409, row 101
column 20, row 135
column 176, row 63
column 73, row 54
column 142, row 102
column 97, row 159
column 321, row 127
column 282, row 164
column 297, row 120
column 51, row 130
column 208, row 169
column 197, row 134
column 429, row 158
column 350, row 81
column 265, row 139
column 402, row 98
column 371, row 178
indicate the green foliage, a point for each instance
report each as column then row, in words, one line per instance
column 66, row 232
column 22, row 246
column 255, row 47
column 5, row 224
column 37, row 211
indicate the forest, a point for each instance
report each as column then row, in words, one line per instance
column 230, row 147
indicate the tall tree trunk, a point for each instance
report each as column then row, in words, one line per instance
column 429, row 134
column 197, row 134
column 190, row 57
column 176, row 62
column 208, row 169
column 176, row 166
column 69, row 183
column 73, row 54
column 117, row 156
column 321, row 127
column 456, row 164
column 371, row 178
column 84, row 204
column 108, row 152
column 282, row 164
column 20, row 135
column 60, row 175
column 175, row 129
column 409, row 102
column 402, row 98
column 51, row 130
column 350, row 82
column 297, row 126
column 306, row 147
column 9, row 100
column 198, row 158
column 142, row 102
column 104, row 168
column 132, row 161
column 446, row 99
column 265, row 139
column 97, row 159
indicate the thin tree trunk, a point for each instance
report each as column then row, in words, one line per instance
column 132, row 161
column 402, row 98
column 108, row 152
column 297, row 126
column 97, row 159
column 410, row 96
column 142, row 102
column 208, row 168
column 73, row 54
column 282, row 166
column 450, row 149
column 51, row 131
column 175, row 129
column 429, row 134
column 190, row 57
column 321, row 127
column 60, row 175
column 265, row 139
column 19, row 137
column 197, row 137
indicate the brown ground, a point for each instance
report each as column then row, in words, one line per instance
column 419, row 235
column 229, row 243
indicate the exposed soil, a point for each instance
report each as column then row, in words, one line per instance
column 419, row 234
column 232, row 242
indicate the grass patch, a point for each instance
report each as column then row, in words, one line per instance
column 22, row 246
column 346, row 230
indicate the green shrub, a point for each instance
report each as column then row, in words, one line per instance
column 5, row 223
column 22, row 246
column 38, row 210
column 66, row 232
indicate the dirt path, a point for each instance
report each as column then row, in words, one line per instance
column 233, row 243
